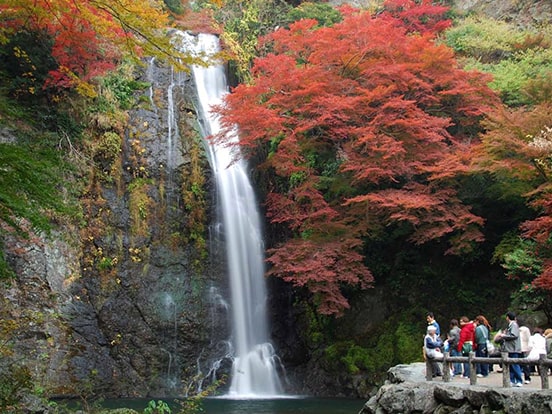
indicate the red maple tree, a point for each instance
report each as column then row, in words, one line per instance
column 422, row 16
column 360, row 125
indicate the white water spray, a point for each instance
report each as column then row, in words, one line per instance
column 254, row 373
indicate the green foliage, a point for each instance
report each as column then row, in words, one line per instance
column 192, row 405
column 482, row 38
column 157, row 407
column 120, row 86
column 407, row 342
column 522, row 262
column 513, row 76
column 243, row 23
column 353, row 357
column 519, row 60
column 25, row 61
column 174, row 5
column 396, row 341
column 509, row 242
column 29, row 188
column 14, row 379
column 295, row 179
column 106, row 263
column 539, row 89
column 194, row 198
column 325, row 14
column 109, row 145
column 531, row 297
column 317, row 326
column 414, row 277
column 140, row 205
column 6, row 272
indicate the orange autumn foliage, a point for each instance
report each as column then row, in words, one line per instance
column 360, row 125
column 90, row 37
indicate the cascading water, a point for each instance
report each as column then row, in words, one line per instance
column 254, row 373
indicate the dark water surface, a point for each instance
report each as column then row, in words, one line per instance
column 268, row 406
column 284, row 406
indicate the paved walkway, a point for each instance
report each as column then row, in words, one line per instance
column 495, row 380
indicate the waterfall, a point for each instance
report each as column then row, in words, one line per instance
column 254, row 371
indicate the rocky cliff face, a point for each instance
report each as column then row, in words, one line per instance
column 524, row 13
column 128, row 303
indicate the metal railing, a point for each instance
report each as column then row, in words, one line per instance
column 542, row 363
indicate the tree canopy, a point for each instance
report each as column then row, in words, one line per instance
column 359, row 126
column 87, row 38
column 517, row 151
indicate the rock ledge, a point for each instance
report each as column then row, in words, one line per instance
column 406, row 391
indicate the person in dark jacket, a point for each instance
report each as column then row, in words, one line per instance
column 453, row 338
column 510, row 342
column 430, row 318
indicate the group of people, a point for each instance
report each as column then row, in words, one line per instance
column 465, row 336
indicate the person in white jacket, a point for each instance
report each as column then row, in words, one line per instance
column 537, row 345
column 524, row 336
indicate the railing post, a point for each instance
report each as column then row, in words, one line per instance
column 543, row 372
column 446, row 368
column 473, row 368
column 505, row 370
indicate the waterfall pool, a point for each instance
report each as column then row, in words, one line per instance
column 298, row 405
column 284, row 406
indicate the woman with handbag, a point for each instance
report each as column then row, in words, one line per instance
column 510, row 342
column 465, row 344
column 482, row 333
column 537, row 347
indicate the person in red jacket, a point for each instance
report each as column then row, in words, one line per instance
column 467, row 336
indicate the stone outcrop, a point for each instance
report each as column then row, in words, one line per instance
column 406, row 391
column 524, row 13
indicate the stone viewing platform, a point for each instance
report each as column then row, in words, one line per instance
column 407, row 391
